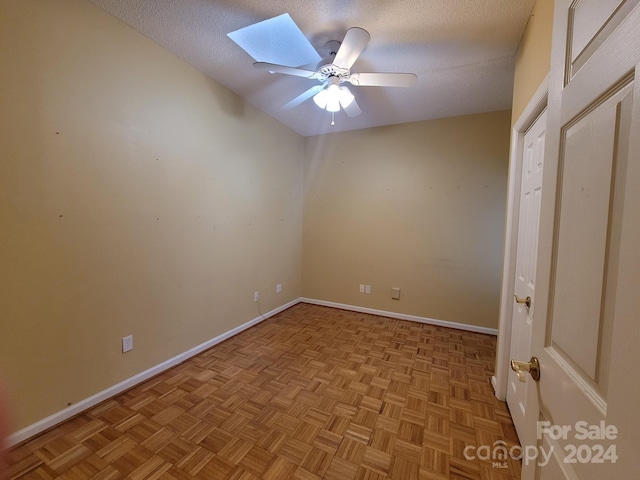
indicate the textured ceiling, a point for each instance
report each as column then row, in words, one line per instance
column 461, row 50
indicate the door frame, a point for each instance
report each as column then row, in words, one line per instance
column 529, row 115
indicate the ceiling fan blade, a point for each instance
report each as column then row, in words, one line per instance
column 355, row 41
column 302, row 97
column 383, row 79
column 352, row 110
column 273, row 68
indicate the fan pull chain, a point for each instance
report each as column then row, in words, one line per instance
column 333, row 118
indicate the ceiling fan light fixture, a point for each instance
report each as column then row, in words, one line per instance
column 334, row 70
column 333, row 105
column 333, row 97
column 321, row 98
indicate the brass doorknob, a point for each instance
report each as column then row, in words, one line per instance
column 526, row 301
column 532, row 366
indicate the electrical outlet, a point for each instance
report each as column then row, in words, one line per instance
column 367, row 289
column 256, row 296
column 279, row 288
column 395, row 293
column 127, row 343
column 362, row 288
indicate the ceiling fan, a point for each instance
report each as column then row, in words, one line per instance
column 335, row 70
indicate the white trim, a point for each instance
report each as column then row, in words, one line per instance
column 402, row 316
column 533, row 109
column 83, row 405
column 87, row 403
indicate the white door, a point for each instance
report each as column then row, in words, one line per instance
column 525, row 275
column 587, row 313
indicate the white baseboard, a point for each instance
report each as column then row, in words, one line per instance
column 87, row 403
column 403, row 316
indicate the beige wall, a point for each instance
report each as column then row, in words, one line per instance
column 139, row 197
column 136, row 197
column 418, row 206
column 533, row 59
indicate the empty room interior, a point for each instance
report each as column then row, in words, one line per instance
column 198, row 283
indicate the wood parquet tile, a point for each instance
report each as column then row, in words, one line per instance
column 312, row 393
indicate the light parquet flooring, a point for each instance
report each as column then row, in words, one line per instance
column 312, row 393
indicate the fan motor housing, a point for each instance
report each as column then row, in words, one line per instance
column 326, row 69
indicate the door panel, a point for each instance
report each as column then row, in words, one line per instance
column 578, row 326
column 586, row 326
column 526, row 257
column 590, row 24
column 584, row 284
